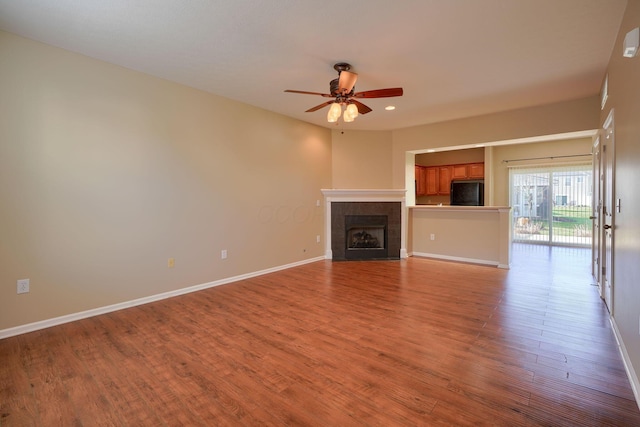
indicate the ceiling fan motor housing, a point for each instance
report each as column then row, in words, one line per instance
column 333, row 86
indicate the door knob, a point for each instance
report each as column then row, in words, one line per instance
column 606, row 226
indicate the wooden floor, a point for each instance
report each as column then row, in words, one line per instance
column 411, row 342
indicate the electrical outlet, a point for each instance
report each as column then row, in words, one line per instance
column 318, row 203
column 223, row 254
column 318, row 238
column 171, row 263
column 433, row 236
column 23, row 286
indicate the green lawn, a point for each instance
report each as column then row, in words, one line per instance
column 568, row 221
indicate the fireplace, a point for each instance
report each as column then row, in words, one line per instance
column 366, row 236
column 365, row 230
column 372, row 220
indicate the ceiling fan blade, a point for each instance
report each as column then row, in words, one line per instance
column 379, row 93
column 304, row 92
column 317, row 107
column 347, row 81
column 362, row 109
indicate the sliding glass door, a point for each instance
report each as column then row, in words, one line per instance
column 552, row 204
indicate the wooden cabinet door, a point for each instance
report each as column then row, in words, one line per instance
column 432, row 181
column 444, row 180
column 437, row 179
column 476, row 170
column 421, row 180
column 459, row 172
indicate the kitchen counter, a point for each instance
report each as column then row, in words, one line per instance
column 476, row 234
column 460, row 208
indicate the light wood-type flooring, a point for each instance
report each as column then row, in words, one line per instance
column 376, row 343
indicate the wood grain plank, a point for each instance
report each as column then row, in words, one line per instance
column 410, row 342
column 17, row 405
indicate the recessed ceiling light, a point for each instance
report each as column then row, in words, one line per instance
column 390, row 107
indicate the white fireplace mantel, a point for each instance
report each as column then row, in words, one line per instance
column 367, row 195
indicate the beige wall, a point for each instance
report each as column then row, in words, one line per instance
column 106, row 173
column 470, row 155
column 500, row 170
column 361, row 159
column 624, row 99
column 570, row 116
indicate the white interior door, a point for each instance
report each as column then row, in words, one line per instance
column 608, row 215
column 596, row 248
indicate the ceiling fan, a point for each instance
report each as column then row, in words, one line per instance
column 342, row 92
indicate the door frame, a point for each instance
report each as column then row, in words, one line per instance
column 608, row 210
column 596, row 217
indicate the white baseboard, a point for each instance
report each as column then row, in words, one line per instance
column 30, row 327
column 458, row 259
column 628, row 367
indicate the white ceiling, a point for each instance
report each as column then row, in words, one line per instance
column 454, row 58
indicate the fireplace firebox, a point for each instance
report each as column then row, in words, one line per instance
column 366, row 236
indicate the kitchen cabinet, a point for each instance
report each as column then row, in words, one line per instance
column 476, row 170
column 444, row 180
column 431, row 176
column 467, row 171
column 421, row 180
column 459, row 172
column 436, row 180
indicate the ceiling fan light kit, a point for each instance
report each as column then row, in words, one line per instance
column 342, row 90
column 350, row 113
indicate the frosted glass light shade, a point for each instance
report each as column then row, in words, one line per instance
column 348, row 118
column 334, row 112
column 352, row 109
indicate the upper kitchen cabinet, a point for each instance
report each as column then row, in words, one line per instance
column 437, row 180
column 421, row 180
column 468, row 171
column 431, row 178
column 444, row 180
column 435, row 171
column 476, row 170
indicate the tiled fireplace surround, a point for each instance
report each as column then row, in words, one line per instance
column 339, row 203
